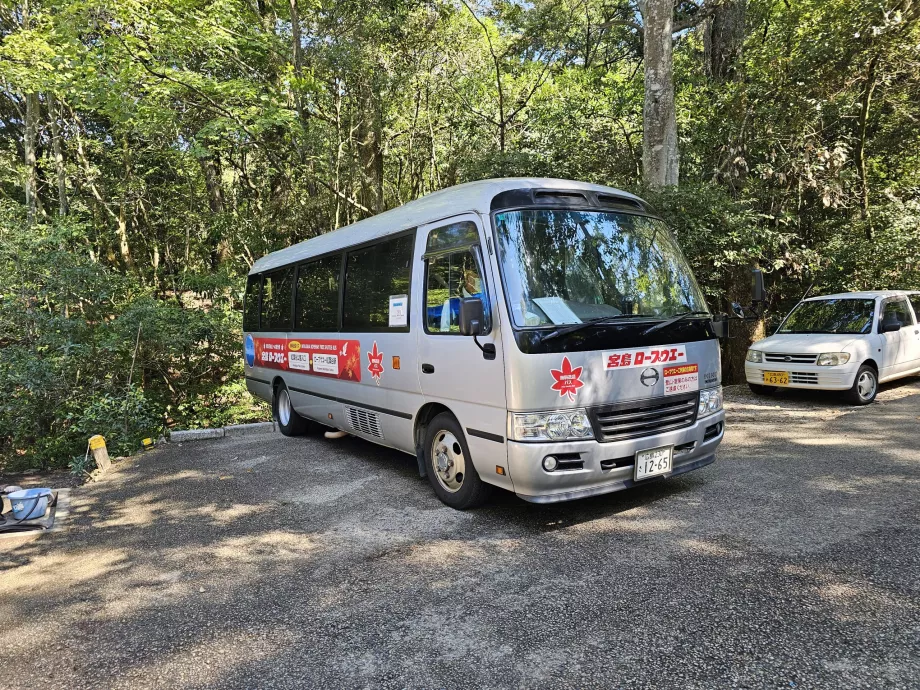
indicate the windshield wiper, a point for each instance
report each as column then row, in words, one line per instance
column 599, row 321
column 673, row 319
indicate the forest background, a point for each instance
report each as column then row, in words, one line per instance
column 151, row 150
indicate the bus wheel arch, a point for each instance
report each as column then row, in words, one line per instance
column 423, row 417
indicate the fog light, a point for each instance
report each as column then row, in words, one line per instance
column 550, row 463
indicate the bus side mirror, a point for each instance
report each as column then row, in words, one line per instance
column 472, row 315
column 758, row 293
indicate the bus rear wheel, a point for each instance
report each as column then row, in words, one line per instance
column 450, row 468
column 289, row 422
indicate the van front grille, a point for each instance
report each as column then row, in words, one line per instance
column 806, row 377
column 363, row 422
column 788, row 358
column 643, row 418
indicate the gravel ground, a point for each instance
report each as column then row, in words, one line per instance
column 266, row 562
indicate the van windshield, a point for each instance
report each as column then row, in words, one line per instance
column 830, row 316
column 569, row 267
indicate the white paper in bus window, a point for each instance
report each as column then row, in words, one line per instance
column 556, row 310
column 399, row 314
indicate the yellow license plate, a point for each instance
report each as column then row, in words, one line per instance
column 776, row 378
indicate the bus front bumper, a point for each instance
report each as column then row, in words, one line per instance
column 607, row 467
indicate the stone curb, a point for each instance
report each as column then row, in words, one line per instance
column 181, row 436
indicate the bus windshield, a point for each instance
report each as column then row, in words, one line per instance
column 569, row 267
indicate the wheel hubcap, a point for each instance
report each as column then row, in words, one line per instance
column 866, row 385
column 449, row 462
column 284, row 408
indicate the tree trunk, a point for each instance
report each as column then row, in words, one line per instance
column 860, row 152
column 659, row 120
column 31, row 178
column 57, row 146
column 723, row 38
column 370, row 148
column 220, row 247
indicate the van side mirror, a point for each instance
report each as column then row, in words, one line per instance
column 758, row 293
column 472, row 315
column 721, row 327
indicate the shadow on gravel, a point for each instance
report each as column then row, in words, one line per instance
column 262, row 562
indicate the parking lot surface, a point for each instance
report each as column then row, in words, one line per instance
column 265, row 562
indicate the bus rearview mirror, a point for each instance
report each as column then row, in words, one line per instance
column 472, row 315
column 758, row 293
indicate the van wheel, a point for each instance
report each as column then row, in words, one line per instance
column 450, row 468
column 289, row 422
column 865, row 386
column 760, row 389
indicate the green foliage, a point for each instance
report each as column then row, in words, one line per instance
column 175, row 142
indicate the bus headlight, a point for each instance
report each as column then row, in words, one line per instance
column 832, row 359
column 755, row 356
column 563, row 425
column 710, row 401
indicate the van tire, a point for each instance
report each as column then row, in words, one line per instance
column 760, row 389
column 865, row 386
column 472, row 491
column 289, row 422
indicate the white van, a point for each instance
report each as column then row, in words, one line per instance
column 542, row 336
column 848, row 342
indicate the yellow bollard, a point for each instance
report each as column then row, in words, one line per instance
column 100, row 452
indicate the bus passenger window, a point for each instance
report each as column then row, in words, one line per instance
column 452, row 277
column 277, row 289
column 372, row 276
column 318, row 295
column 251, row 304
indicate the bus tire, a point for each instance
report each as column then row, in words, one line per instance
column 865, row 386
column 450, row 468
column 760, row 389
column 289, row 422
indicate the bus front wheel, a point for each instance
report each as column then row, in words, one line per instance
column 450, row 468
column 289, row 422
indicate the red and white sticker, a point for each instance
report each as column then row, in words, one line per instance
column 684, row 378
column 375, row 363
column 567, row 380
column 339, row 359
column 648, row 356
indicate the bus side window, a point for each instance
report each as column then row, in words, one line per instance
column 373, row 275
column 251, row 303
column 318, row 295
column 277, row 291
column 452, row 277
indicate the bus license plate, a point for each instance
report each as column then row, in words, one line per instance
column 652, row 462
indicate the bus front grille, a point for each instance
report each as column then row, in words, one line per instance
column 643, row 418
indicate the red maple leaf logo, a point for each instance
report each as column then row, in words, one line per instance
column 375, row 363
column 568, row 380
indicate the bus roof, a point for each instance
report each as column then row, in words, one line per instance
column 471, row 196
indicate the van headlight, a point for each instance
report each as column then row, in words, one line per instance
column 832, row 359
column 562, row 425
column 710, row 401
column 755, row 356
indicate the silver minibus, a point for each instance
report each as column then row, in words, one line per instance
column 539, row 335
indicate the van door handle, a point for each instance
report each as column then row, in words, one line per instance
column 427, row 369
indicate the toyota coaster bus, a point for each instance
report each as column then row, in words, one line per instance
column 539, row 335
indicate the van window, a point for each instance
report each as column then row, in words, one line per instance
column 251, row 303
column 452, row 277
column 897, row 310
column 373, row 275
column 277, row 290
column 915, row 303
column 318, row 295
